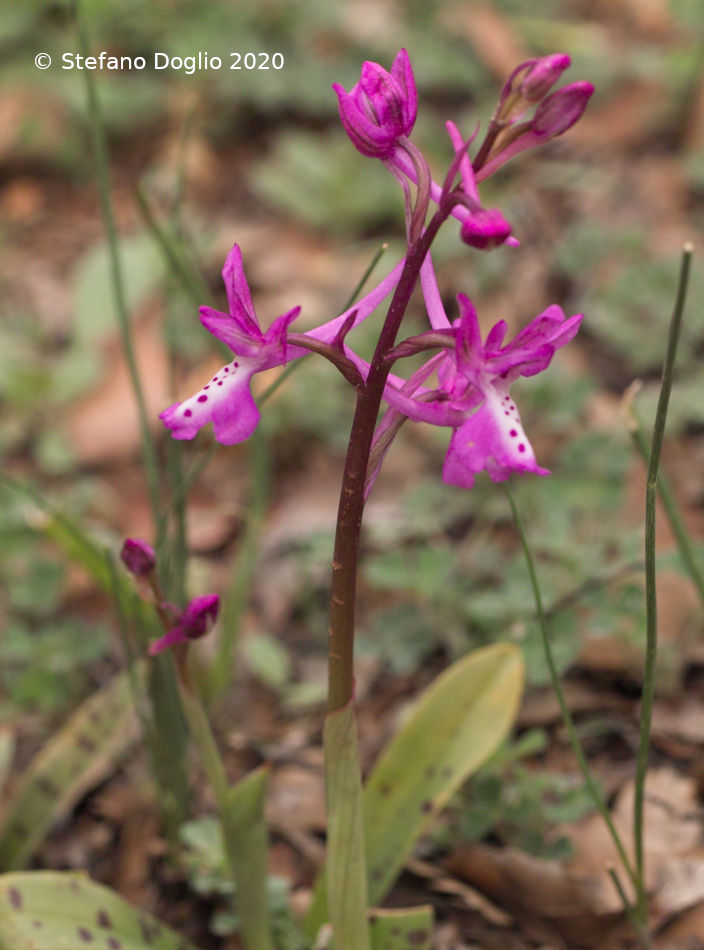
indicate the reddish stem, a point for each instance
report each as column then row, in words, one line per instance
column 351, row 507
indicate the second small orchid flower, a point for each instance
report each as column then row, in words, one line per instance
column 197, row 619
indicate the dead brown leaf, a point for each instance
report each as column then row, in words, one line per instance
column 578, row 896
column 685, row 933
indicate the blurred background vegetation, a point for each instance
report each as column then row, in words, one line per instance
column 259, row 157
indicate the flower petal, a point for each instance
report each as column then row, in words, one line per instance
column 175, row 635
column 367, row 137
column 232, row 331
column 402, row 72
column 491, row 440
column 495, row 337
column 531, row 351
column 239, row 297
column 225, row 401
column 470, row 352
column 275, row 337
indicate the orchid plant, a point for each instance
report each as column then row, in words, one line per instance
column 463, row 385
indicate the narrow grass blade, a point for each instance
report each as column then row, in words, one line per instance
column 102, row 168
column 672, row 510
column 648, row 696
column 63, row 530
column 76, row 758
column 45, row 910
column 245, row 564
column 589, row 780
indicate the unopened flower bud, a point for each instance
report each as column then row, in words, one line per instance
column 542, row 76
column 485, row 229
column 561, row 109
column 138, row 556
column 380, row 108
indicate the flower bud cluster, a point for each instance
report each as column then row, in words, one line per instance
column 195, row 620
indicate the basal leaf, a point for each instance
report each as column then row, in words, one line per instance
column 45, row 910
column 402, row 929
column 460, row 719
column 76, row 758
column 458, row 722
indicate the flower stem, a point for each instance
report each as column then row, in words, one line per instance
column 351, row 506
column 346, row 865
column 97, row 130
column 648, row 695
column 242, row 839
column 589, row 780
column 642, row 931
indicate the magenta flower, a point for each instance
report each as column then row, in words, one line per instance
column 474, row 392
column 482, row 228
column 381, row 108
column 492, row 437
column 226, row 400
column 197, row 619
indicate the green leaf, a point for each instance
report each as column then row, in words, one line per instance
column 75, row 759
column 44, row 910
column 457, row 723
column 402, row 929
column 346, row 871
column 248, row 852
column 267, row 659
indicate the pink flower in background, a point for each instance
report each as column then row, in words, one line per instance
column 197, row 619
